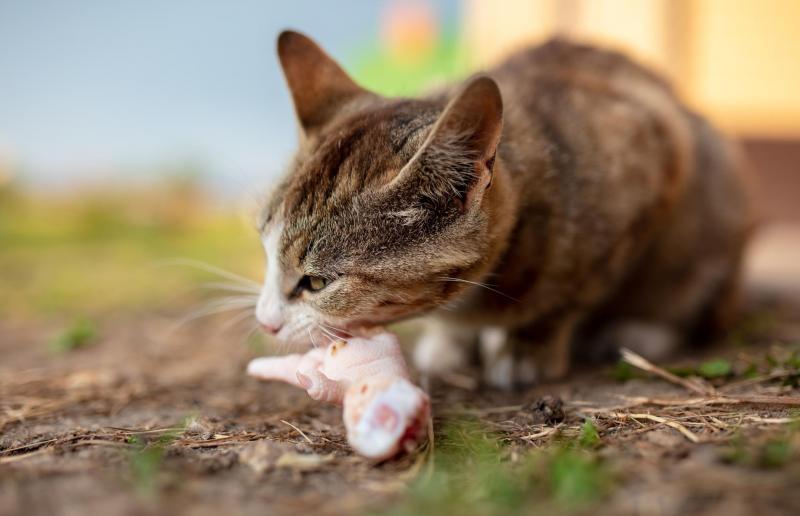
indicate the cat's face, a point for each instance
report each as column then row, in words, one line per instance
column 380, row 216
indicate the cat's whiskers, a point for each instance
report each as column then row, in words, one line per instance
column 311, row 337
column 478, row 284
column 232, row 287
column 249, row 333
column 331, row 340
column 329, row 333
column 335, row 329
column 213, row 269
column 244, row 313
column 216, row 306
column 307, row 323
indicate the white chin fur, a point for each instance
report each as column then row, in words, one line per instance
column 373, row 440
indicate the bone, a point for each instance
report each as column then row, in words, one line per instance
column 384, row 412
column 283, row 368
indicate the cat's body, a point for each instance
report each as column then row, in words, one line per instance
column 573, row 186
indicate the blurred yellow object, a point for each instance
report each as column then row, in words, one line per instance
column 745, row 64
column 736, row 60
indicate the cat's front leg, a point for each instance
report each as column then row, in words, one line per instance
column 522, row 357
column 497, row 358
column 443, row 347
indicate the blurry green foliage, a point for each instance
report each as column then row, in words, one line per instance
column 750, row 371
column 476, row 473
column 716, row 368
column 776, row 453
column 589, row 437
column 94, row 251
column 711, row 369
column 146, row 459
column 576, row 479
column 736, row 451
column 145, row 463
column 780, row 450
column 623, row 371
column 448, row 61
column 80, row 334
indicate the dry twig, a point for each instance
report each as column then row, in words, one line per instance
column 298, row 431
column 664, row 421
column 696, row 386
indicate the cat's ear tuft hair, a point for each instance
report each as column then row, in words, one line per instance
column 319, row 86
column 474, row 119
column 457, row 158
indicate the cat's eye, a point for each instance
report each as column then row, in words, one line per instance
column 317, row 283
column 312, row 283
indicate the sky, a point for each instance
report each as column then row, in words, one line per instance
column 114, row 90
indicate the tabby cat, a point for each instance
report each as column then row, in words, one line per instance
column 561, row 200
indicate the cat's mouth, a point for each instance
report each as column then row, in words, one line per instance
column 358, row 326
column 391, row 313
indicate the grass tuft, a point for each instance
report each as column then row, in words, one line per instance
column 146, row 460
column 476, row 472
column 717, row 368
column 81, row 333
column 576, row 478
column 589, row 436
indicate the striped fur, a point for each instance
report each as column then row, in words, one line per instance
column 602, row 190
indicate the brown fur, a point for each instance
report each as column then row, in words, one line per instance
column 605, row 200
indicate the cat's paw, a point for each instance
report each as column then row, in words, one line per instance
column 507, row 373
column 511, row 364
column 502, row 369
column 499, row 373
column 437, row 353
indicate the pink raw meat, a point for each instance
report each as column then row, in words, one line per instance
column 384, row 413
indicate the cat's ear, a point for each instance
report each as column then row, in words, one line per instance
column 473, row 120
column 459, row 153
column 317, row 83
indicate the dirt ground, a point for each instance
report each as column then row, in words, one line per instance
column 150, row 419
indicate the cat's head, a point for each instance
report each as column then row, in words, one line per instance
column 384, row 213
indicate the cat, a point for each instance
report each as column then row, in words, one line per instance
column 562, row 199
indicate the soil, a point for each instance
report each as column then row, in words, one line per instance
column 154, row 420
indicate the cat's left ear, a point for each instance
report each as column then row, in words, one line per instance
column 319, row 86
column 459, row 153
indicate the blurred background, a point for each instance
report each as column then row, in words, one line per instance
column 132, row 133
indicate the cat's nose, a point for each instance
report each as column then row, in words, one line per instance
column 269, row 313
column 272, row 327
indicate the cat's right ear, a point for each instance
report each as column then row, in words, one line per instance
column 318, row 85
column 457, row 158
